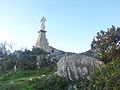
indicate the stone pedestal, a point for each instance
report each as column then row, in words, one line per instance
column 42, row 41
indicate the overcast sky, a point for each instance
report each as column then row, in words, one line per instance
column 71, row 24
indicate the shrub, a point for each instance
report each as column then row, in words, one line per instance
column 52, row 82
column 107, row 44
column 106, row 78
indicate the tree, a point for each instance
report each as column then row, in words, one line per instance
column 107, row 44
column 6, row 48
column 3, row 49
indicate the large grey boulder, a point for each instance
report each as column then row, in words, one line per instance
column 77, row 66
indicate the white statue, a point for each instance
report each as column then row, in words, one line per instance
column 43, row 23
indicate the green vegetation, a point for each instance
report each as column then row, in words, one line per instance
column 27, row 79
column 35, row 70
column 107, row 78
column 52, row 82
column 27, row 75
column 24, row 60
column 107, row 44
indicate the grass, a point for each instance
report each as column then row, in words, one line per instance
column 24, row 80
column 106, row 78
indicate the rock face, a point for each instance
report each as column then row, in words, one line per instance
column 91, row 53
column 77, row 66
column 57, row 54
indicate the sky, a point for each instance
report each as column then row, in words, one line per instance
column 71, row 24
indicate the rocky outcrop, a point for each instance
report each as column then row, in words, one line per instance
column 58, row 54
column 91, row 53
column 77, row 66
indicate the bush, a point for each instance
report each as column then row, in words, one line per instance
column 7, row 64
column 52, row 82
column 28, row 59
column 106, row 78
column 107, row 44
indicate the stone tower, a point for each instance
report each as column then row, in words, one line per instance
column 42, row 41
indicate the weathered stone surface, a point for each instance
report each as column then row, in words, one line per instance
column 91, row 53
column 58, row 53
column 77, row 65
column 42, row 41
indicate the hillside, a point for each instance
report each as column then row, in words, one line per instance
column 29, row 79
column 37, row 69
column 45, row 79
